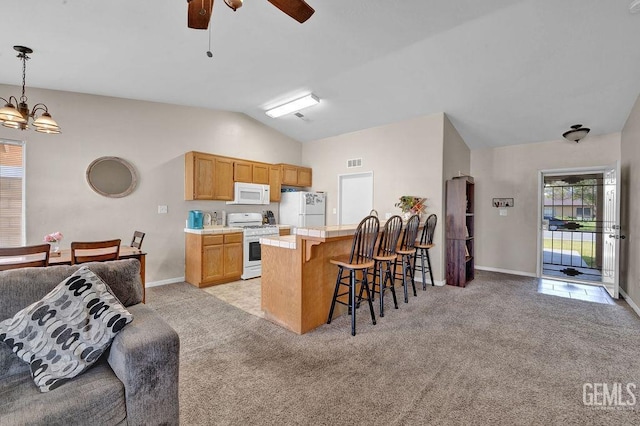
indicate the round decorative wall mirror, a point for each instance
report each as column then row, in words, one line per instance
column 112, row 177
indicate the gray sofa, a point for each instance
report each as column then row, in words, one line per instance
column 136, row 380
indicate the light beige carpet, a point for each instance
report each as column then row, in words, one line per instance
column 496, row 352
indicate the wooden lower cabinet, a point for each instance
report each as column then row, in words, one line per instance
column 213, row 259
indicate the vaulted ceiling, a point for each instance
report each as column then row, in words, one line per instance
column 505, row 71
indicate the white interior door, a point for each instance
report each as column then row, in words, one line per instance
column 611, row 231
column 355, row 197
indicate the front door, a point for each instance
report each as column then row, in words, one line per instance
column 580, row 233
column 611, row 232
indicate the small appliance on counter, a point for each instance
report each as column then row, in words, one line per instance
column 195, row 220
column 268, row 218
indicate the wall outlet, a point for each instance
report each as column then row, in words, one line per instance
column 387, row 215
column 163, row 209
column 334, row 211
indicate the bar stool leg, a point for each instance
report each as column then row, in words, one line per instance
column 365, row 283
column 352, row 296
column 392, row 284
column 382, row 282
column 335, row 295
column 430, row 272
column 424, row 278
column 404, row 279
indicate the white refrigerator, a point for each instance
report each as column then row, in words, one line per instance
column 302, row 209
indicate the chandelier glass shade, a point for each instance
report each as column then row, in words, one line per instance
column 16, row 114
column 576, row 133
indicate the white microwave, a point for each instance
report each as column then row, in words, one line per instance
column 250, row 193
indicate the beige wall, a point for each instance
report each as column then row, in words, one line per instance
column 630, row 200
column 406, row 159
column 153, row 137
column 510, row 242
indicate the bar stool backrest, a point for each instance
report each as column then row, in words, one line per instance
column 364, row 240
column 390, row 236
column 410, row 233
column 429, row 229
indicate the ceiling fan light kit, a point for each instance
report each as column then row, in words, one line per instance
column 293, row 106
column 576, row 133
column 15, row 114
column 234, row 4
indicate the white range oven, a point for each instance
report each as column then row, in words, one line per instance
column 252, row 231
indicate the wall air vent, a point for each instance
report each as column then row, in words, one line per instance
column 356, row 162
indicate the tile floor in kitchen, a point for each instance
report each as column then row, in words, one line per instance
column 243, row 294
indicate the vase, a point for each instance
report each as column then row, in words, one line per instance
column 55, row 247
column 406, row 216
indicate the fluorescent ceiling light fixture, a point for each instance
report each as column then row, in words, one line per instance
column 293, row 106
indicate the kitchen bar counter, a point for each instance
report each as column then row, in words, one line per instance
column 298, row 280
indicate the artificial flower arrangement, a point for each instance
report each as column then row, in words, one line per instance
column 55, row 237
column 411, row 204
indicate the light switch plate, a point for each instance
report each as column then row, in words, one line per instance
column 163, row 209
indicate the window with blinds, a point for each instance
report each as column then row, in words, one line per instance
column 11, row 193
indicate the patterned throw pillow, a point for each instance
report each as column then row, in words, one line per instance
column 65, row 332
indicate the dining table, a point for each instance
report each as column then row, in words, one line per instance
column 63, row 257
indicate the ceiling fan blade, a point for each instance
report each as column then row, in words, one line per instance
column 199, row 14
column 297, row 9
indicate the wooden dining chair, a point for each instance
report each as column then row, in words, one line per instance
column 136, row 241
column 23, row 257
column 94, row 251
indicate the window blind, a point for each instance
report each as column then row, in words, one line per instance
column 11, row 193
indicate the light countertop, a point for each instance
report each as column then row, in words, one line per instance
column 284, row 241
column 207, row 230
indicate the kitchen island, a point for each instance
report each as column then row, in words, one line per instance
column 297, row 279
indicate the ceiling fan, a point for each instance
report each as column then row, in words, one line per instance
column 199, row 11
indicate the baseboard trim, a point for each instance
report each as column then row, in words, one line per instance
column 506, row 271
column 164, row 282
column 630, row 302
column 435, row 282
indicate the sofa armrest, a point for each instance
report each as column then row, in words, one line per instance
column 145, row 356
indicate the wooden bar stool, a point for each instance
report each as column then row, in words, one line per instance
column 360, row 259
column 385, row 255
column 406, row 253
column 422, row 248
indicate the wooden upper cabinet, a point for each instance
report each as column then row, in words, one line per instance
column 304, row 176
column 207, row 177
column 275, row 183
column 250, row 172
column 242, row 171
column 295, row 175
column 289, row 175
column 199, row 170
column 223, row 179
column 211, row 177
column 260, row 173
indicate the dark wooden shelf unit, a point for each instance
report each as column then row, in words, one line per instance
column 459, row 231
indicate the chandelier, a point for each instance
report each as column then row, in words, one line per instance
column 16, row 115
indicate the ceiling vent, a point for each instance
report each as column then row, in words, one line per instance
column 356, row 162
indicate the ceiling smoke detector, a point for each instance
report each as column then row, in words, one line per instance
column 634, row 7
